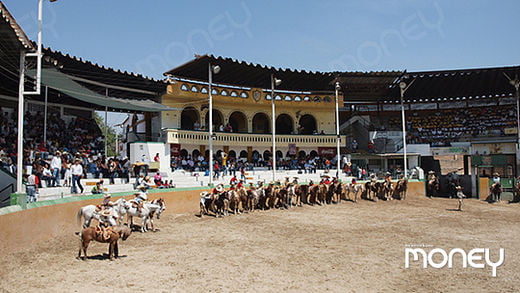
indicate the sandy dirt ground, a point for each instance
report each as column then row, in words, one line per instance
column 338, row 248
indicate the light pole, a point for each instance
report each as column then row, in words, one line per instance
column 338, row 138
column 22, row 92
column 403, row 87
column 211, row 69
column 274, row 82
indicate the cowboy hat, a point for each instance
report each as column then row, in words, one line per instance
column 106, row 213
column 431, row 172
column 295, row 177
column 220, row 188
column 107, row 195
column 496, row 174
column 325, row 176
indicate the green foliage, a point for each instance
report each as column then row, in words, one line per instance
column 111, row 135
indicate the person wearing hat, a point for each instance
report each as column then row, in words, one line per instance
column 140, row 197
column 388, row 177
column 217, row 191
column 460, row 196
column 103, row 229
column 496, row 183
column 56, row 169
column 107, row 204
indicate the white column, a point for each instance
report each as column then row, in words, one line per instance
column 210, row 125
column 19, row 158
column 338, row 155
column 273, row 127
column 45, row 117
column 403, row 122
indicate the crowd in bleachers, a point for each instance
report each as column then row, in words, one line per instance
column 76, row 139
column 441, row 127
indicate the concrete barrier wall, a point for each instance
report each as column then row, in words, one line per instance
column 26, row 228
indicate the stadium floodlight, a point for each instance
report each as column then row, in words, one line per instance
column 338, row 138
column 274, row 82
column 215, row 69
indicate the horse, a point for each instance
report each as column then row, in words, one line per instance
column 401, row 188
column 387, row 190
column 432, row 188
column 91, row 233
column 157, row 206
column 222, row 204
column 353, row 188
column 234, row 201
column 496, row 192
column 301, row 192
column 91, row 212
column 338, row 189
column 252, row 199
column 313, row 195
column 372, row 187
column 206, row 203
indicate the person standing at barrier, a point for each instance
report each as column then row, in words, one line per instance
column 31, row 187
column 56, row 169
column 77, row 172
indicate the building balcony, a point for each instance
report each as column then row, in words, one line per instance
column 193, row 137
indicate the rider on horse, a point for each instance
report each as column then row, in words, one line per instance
column 104, row 229
column 140, row 197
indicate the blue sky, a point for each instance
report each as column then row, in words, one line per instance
column 150, row 37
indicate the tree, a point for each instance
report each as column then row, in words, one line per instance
column 111, row 135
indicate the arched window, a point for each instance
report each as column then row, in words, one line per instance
column 261, row 123
column 284, row 124
column 217, row 120
column 190, row 119
column 194, row 89
column 238, row 121
column 184, row 87
column 307, row 124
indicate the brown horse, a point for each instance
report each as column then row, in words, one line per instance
column 372, row 188
column 432, row 188
column 401, row 188
column 387, row 190
column 301, row 192
column 92, row 233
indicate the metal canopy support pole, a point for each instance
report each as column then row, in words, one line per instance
column 210, row 80
column 106, row 125
column 45, row 117
column 403, row 121
column 517, row 86
column 19, row 157
column 338, row 138
column 273, row 127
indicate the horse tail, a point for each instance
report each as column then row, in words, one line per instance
column 79, row 215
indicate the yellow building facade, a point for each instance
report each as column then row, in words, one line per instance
column 305, row 123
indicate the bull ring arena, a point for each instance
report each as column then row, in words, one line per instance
column 345, row 200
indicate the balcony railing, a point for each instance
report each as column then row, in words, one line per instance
column 249, row 139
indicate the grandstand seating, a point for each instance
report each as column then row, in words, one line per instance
column 442, row 126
